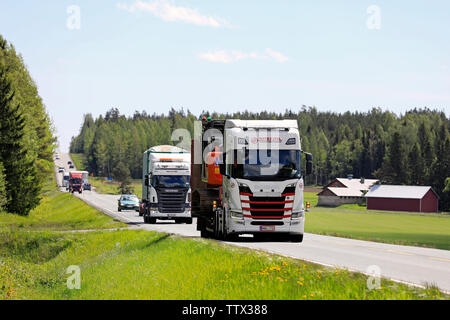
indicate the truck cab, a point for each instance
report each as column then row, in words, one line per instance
column 252, row 180
column 166, row 185
column 65, row 180
column 75, row 182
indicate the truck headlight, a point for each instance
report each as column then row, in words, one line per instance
column 291, row 185
column 237, row 215
column 153, row 210
column 296, row 215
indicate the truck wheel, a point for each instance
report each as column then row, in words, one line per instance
column 151, row 220
column 296, row 238
column 260, row 237
column 188, row 221
column 231, row 237
column 202, row 228
column 205, row 234
column 119, row 209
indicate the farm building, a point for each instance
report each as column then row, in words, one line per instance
column 402, row 198
column 345, row 191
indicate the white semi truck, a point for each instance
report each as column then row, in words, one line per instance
column 249, row 179
column 65, row 180
column 166, row 185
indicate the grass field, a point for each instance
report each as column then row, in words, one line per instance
column 112, row 187
column 353, row 221
column 148, row 265
column 101, row 184
column 130, row 264
column 58, row 211
column 79, row 161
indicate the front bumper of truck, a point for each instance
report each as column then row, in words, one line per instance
column 154, row 213
column 293, row 226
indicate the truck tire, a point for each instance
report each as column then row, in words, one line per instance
column 202, row 228
column 298, row 238
column 151, row 220
column 261, row 237
column 205, row 234
column 188, row 221
column 231, row 237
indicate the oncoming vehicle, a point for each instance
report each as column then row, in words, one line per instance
column 65, row 180
column 166, row 185
column 128, row 202
column 75, row 182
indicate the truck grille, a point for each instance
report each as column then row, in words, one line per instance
column 267, row 207
column 267, row 203
column 171, row 202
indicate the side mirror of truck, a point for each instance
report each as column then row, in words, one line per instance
column 309, row 163
column 147, row 181
column 223, row 169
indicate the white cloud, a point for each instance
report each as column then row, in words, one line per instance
column 277, row 55
column 222, row 56
column 170, row 12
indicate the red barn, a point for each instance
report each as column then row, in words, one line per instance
column 402, row 198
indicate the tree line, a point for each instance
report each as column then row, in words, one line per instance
column 26, row 136
column 412, row 148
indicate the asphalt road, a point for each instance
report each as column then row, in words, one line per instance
column 413, row 265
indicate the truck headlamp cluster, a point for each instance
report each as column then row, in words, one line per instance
column 296, row 215
column 242, row 141
column 154, row 210
column 237, row 215
column 291, row 141
column 292, row 185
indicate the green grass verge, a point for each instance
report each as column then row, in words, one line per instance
column 59, row 211
column 149, row 265
column 79, row 160
column 353, row 221
column 105, row 187
column 112, row 187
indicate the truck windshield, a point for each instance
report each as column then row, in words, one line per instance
column 267, row 165
column 76, row 181
column 171, row 181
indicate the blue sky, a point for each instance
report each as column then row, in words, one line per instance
column 231, row 55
